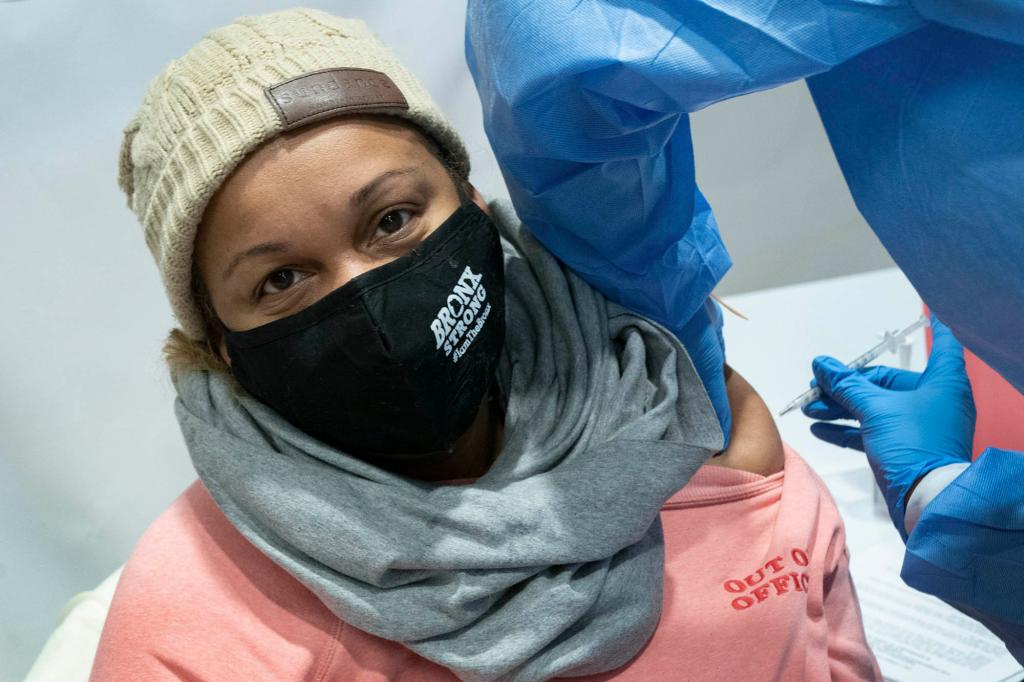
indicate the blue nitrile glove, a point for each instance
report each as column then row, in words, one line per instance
column 910, row 422
column 702, row 337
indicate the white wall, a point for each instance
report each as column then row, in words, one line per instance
column 89, row 450
column 782, row 206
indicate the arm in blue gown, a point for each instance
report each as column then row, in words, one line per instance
column 968, row 546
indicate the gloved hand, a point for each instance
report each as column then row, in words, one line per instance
column 702, row 338
column 910, row 422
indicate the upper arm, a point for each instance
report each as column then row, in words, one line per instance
column 755, row 445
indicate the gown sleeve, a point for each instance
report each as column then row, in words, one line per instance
column 968, row 546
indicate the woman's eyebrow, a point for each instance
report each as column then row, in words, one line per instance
column 258, row 250
column 361, row 195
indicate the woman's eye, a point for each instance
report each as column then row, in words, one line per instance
column 280, row 280
column 392, row 222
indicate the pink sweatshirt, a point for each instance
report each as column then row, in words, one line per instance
column 756, row 588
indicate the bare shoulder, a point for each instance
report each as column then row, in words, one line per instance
column 755, row 444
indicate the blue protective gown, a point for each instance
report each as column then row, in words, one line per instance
column 585, row 103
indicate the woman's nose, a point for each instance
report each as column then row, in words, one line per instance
column 347, row 268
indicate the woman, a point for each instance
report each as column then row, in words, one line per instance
column 427, row 450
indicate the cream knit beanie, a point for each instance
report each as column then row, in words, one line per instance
column 240, row 85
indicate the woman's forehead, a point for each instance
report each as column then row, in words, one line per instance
column 346, row 148
column 314, row 176
column 332, row 160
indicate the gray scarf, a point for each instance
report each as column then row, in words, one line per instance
column 548, row 565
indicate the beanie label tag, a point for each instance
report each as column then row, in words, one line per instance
column 331, row 92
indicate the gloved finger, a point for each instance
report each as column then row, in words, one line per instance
column 843, row 384
column 891, row 378
column 947, row 354
column 843, row 435
column 887, row 377
column 825, row 408
column 715, row 315
column 704, row 345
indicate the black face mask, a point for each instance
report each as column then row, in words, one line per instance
column 396, row 362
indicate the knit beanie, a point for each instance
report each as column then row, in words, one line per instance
column 239, row 86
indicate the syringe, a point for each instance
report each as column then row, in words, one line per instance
column 890, row 342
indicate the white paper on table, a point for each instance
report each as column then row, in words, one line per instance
column 918, row 638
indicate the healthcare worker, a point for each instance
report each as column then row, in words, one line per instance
column 586, row 106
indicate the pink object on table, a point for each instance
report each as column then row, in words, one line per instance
column 1000, row 406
